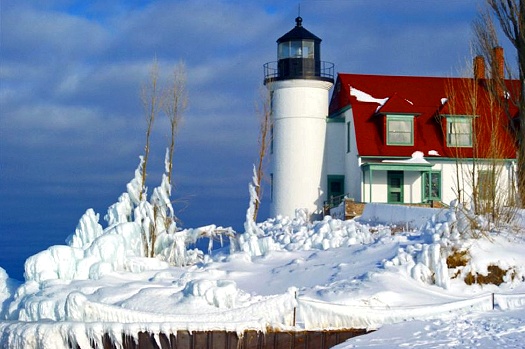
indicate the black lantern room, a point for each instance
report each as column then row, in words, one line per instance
column 299, row 57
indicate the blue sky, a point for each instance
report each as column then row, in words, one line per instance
column 71, row 121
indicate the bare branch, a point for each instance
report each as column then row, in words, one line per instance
column 150, row 101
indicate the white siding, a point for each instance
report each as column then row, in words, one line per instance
column 353, row 175
column 335, row 148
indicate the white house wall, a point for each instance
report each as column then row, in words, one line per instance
column 353, row 175
column 413, row 185
column 335, row 148
column 450, row 170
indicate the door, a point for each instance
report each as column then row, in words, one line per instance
column 395, row 187
column 336, row 189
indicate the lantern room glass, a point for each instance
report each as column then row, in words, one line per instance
column 296, row 49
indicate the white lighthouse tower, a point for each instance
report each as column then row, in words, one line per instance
column 298, row 83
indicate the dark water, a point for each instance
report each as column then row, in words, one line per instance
column 17, row 244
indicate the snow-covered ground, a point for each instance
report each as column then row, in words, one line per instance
column 362, row 273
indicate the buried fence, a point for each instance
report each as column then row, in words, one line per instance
column 317, row 314
column 309, row 318
column 231, row 340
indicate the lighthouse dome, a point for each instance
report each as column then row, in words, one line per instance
column 298, row 57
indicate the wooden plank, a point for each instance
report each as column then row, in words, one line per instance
column 330, row 339
column 128, row 342
column 344, row 335
column 283, row 340
column 200, row 340
column 299, row 340
column 268, row 340
column 233, row 340
column 314, row 340
column 165, row 341
column 251, row 340
column 184, row 340
column 147, row 341
column 107, row 343
column 218, row 339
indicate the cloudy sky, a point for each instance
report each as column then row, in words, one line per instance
column 71, row 121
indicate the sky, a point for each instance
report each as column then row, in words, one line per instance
column 72, row 126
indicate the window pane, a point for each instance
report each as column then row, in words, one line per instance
column 296, row 49
column 399, row 131
column 399, row 138
column 308, row 49
column 432, row 186
column 284, row 50
column 459, row 132
column 400, row 126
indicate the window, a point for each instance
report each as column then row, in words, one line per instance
column 296, row 49
column 348, row 133
column 459, row 132
column 431, row 186
column 400, row 130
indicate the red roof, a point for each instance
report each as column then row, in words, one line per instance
column 430, row 99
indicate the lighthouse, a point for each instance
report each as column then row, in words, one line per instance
column 298, row 83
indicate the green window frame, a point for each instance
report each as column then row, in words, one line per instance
column 431, row 186
column 400, row 130
column 459, row 131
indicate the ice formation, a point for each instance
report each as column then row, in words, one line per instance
column 323, row 274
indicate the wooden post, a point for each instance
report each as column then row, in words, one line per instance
column 295, row 309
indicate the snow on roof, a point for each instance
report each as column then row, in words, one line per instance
column 365, row 97
column 416, row 158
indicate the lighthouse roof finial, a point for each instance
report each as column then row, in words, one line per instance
column 298, row 33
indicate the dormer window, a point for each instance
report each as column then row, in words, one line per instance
column 459, row 131
column 400, row 130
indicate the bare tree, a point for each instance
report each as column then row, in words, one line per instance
column 174, row 104
column 510, row 14
column 480, row 180
column 150, row 103
column 263, row 110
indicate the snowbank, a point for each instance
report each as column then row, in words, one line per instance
column 361, row 273
column 408, row 217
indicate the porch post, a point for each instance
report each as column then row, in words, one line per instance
column 370, row 183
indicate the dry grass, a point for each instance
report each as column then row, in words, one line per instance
column 495, row 276
column 457, row 259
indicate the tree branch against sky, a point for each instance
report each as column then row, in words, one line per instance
column 510, row 14
column 174, row 105
column 150, row 103
column 263, row 111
